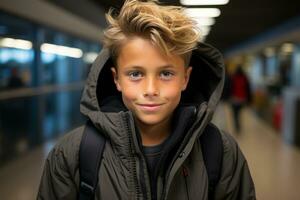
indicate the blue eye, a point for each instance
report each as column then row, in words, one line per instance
column 135, row 75
column 166, row 75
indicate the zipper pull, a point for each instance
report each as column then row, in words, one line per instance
column 185, row 172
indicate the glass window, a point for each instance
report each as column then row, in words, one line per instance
column 16, row 53
column 34, row 58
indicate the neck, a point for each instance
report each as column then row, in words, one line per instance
column 154, row 134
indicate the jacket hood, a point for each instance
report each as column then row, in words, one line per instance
column 100, row 105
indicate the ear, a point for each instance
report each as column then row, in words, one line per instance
column 116, row 79
column 187, row 74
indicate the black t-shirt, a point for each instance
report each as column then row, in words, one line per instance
column 159, row 155
column 152, row 155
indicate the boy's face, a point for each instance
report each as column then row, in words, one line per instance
column 150, row 82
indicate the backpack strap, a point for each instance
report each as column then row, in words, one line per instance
column 90, row 155
column 212, row 150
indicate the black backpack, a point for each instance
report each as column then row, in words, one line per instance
column 92, row 147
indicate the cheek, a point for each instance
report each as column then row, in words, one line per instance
column 172, row 93
column 129, row 94
column 128, row 89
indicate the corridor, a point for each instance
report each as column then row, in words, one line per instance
column 274, row 165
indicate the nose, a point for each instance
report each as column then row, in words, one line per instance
column 151, row 87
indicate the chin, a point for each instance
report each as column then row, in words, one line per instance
column 150, row 120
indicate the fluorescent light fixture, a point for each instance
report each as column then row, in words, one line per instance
column 203, row 2
column 204, row 30
column 90, row 57
column 16, row 43
column 202, row 12
column 287, row 48
column 205, row 21
column 61, row 50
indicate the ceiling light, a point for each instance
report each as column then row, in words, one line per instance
column 15, row 43
column 204, row 30
column 287, row 48
column 61, row 50
column 204, row 21
column 203, row 2
column 202, row 12
column 90, row 57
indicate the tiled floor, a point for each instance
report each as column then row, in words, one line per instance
column 19, row 179
column 275, row 166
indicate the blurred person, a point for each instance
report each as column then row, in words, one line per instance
column 15, row 81
column 13, row 116
column 150, row 95
column 240, row 95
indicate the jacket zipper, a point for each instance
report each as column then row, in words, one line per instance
column 133, row 164
column 168, row 171
column 185, row 175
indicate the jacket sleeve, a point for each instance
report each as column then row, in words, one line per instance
column 235, row 181
column 60, row 176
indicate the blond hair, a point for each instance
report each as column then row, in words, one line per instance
column 167, row 27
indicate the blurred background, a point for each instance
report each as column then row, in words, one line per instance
column 47, row 47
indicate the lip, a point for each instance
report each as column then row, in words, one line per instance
column 150, row 107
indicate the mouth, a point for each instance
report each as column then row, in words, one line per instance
column 150, row 107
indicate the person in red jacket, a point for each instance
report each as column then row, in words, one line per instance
column 240, row 95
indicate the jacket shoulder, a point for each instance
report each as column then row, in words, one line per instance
column 70, row 141
column 60, row 175
column 232, row 154
column 229, row 143
column 66, row 150
column 235, row 181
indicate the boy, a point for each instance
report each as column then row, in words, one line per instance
column 152, row 110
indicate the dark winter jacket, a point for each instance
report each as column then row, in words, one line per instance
column 123, row 172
